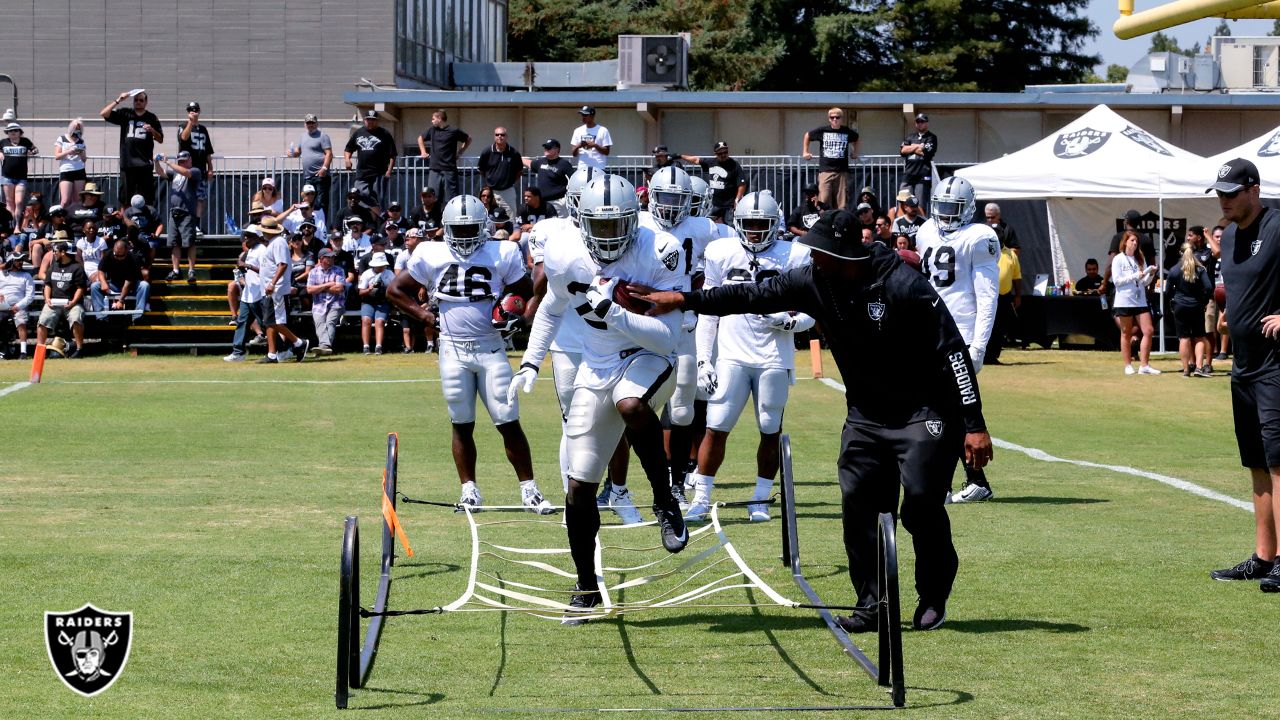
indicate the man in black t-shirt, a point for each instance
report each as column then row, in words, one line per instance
column 917, row 152
column 427, row 216
column 909, row 222
column 194, row 138
column 64, row 290
column 441, row 145
column 725, row 176
column 1091, row 283
column 551, row 175
column 1250, row 263
column 661, row 158
column 139, row 132
column 502, row 166
column 807, row 212
column 1148, row 246
column 833, row 163
column 532, row 211
column 119, row 273
column 375, row 152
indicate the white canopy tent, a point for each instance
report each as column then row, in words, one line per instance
column 1263, row 151
column 1091, row 172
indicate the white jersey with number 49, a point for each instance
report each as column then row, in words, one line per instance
column 963, row 267
column 466, row 288
column 747, row 339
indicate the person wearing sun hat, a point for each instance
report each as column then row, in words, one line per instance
column 912, row 434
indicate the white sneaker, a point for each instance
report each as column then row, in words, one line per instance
column 471, row 496
column 234, row 357
column 532, row 499
column 972, row 493
column 620, row 503
column 698, row 509
column 1148, row 370
column 760, row 513
column 1128, row 370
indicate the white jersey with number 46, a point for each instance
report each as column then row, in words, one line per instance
column 466, row 288
column 963, row 267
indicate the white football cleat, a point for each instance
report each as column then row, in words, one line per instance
column 532, row 499
column 620, row 503
column 471, row 496
column 973, row 493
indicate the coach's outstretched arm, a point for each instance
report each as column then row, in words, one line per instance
column 791, row 290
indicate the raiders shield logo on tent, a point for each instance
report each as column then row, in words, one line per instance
column 88, row 647
column 1077, row 144
column 1271, row 147
column 1143, row 138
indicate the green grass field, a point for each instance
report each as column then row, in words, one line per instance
column 213, row 511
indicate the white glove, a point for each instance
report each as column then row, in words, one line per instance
column 689, row 322
column 976, row 355
column 524, row 379
column 781, row 321
column 707, row 379
column 600, row 295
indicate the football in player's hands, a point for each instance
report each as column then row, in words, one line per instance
column 622, row 295
column 506, row 306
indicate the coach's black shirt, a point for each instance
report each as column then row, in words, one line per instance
column 895, row 320
column 1250, row 264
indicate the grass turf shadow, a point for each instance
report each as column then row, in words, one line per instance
column 1046, row 500
column 431, row 698
column 998, row 625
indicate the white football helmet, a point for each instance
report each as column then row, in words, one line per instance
column 755, row 218
column 466, row 224
column 952, row 203
column 670, row 196
column 608, row 215
column 700, row 200
column 577, row 182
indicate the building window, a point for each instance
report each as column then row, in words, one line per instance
column 430, row 34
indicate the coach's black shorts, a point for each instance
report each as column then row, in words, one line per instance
column 1255, row 403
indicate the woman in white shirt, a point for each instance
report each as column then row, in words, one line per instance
column 69, row 151
column 1130, row 274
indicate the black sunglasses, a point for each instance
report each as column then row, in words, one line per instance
column 1228, row 195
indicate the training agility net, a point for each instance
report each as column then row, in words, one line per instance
column 521, row 564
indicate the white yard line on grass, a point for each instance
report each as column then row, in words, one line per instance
column 14, row 388
column 1043, row 456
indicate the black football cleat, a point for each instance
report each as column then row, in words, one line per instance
column 674, row 533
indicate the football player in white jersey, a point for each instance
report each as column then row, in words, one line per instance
column 753, row 354
column 627, row 368
column 670, row 200
column 566, row 348
column 961, row 259
column 468, row 275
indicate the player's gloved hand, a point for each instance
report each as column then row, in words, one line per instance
column 707, row 379
column 511, row 322
column 781, row 321
column 976, row 355
column 689, row 321
column 524, row 379
column 600, row 295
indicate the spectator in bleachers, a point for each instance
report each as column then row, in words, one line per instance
column 1007, row 235
column 39, row 248
column 17, row 150
column 270, row 196
column 909, row 222
column 316, row 150
column 532, row 211
column 70, row 153
column 274, row 269
column 301, row 262
column 119, row 274
column 1190, row 288
column 143, row 229
column 64, row 291
column 899, row 207
column 906, row 248
column 310, row 236
column 373, row 302
column 394, row 241
column 1091, row 283
column 183, row 180
column 59, row 236
column 591, row 143
column 836, row 140
column 305, row 210
column 726, row 178
column 139, row 132
column 357, row 239
column 91, row 207
column 661, row 158
column 551, row 175
column 807, row 213
column 33, row 225
column 327, row 285
column 352, row 208
column 195, row 140
column 501, row 166
column 342, row 258
column 90, row 247
column 868, row 196
column 395, row 216
column 1131, row 274
column 377, row 245
column 441, row 145
column 918, row 151
column 884, row 230
column 375, row 152
column 866, row 216
column 17, row 290
column 499, row 215
column 427, row 216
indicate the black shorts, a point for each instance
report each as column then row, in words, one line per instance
column 1255, row 403
column 1130, row 311
column 73, row 175
column 1188, row 321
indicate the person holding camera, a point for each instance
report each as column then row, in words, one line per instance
column 69, row 151
column 373, row 301
column 184, row 181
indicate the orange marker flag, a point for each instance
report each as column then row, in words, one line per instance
column 393, row 520
column 37, row 363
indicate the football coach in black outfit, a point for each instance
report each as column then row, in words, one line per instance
column 876, row 311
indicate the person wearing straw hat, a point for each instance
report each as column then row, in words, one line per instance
column 91, row 207
column 275, row 281
column 16, row 150
column 871, row 304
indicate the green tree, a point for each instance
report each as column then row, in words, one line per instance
column 1223, row 29
column 1117, row 73
column 1166, row 43
column 1275, row 29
